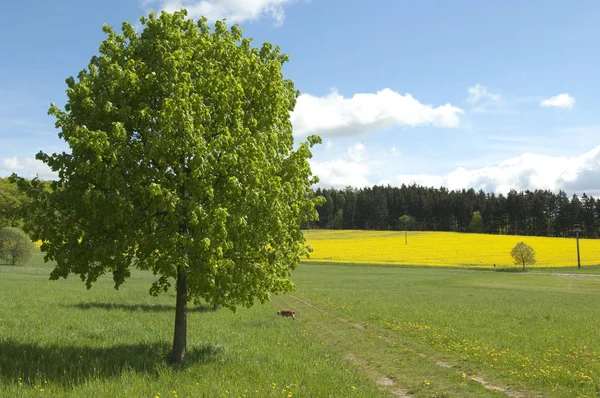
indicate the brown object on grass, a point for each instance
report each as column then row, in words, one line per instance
column 289, row 313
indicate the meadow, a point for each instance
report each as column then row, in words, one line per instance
column 440, row 331
column 444, row 248
column 58, row 339
column 365, row 330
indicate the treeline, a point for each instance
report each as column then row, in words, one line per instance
column 539, row 212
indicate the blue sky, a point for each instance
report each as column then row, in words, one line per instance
column 490, row 95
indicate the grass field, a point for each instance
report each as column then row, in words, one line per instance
column 59, row 339
column 444, row 248
column 527, row 334
column 363, row 330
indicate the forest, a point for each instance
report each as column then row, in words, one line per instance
column 538, row 212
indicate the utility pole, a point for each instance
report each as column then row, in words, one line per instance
column 577, row 229
column 405, row 218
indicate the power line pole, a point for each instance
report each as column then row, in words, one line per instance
column 577, row 229
column 405, row 218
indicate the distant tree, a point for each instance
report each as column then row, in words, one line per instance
column 407, row 223
column 15, row 245
column 10, row 201
column 349, row 208
column 523, row 254
column 476, row 225
column 326, row 213
column 338, row 220
column 182, row 162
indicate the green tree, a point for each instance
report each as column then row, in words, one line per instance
column 15, row 245
column 10, row 201
column 523, row 254
column 476, row 225
column 181, row 162
column 338, row 220
column 406, row 222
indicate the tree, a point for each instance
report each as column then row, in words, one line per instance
column 406, row 222
column 523, row 254
column 338, row 220
column 181, row 162
column 476, row 225
column 15, row 245
column 10, row 200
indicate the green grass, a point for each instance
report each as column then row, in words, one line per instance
column 421, row 331
column 58, row 337
column 535, row 333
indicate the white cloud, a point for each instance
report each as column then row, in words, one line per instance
column 356, row 153
column 479, row 94
column 528, row 171
column 350, row 169
column 26, row 167
column 334, row 115
column 559, row 101
column 340, row 173
column 236, row 11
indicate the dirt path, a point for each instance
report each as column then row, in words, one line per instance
column 375, row 373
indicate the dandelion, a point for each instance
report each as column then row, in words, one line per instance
column 463, row 375
column 354, row 387
column 426, row 383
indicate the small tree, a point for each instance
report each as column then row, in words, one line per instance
column 476, row 225
column 405, row 222
column 338, row 220
column 523, row 254
column 15, row 245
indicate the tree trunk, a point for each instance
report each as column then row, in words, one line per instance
column 180, row 333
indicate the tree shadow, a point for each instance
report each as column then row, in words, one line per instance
column 137, row 307
column 71, row 365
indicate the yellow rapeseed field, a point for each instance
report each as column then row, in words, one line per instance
column 444, row 248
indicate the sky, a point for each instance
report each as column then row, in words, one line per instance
column 462, row 94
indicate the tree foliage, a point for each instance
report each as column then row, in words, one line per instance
column 523, row 254
column 10, row 202
column 181, row 162
column 15, row 245
column 476, row 225
column 407, row 223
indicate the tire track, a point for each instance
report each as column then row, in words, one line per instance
column 389, row 383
